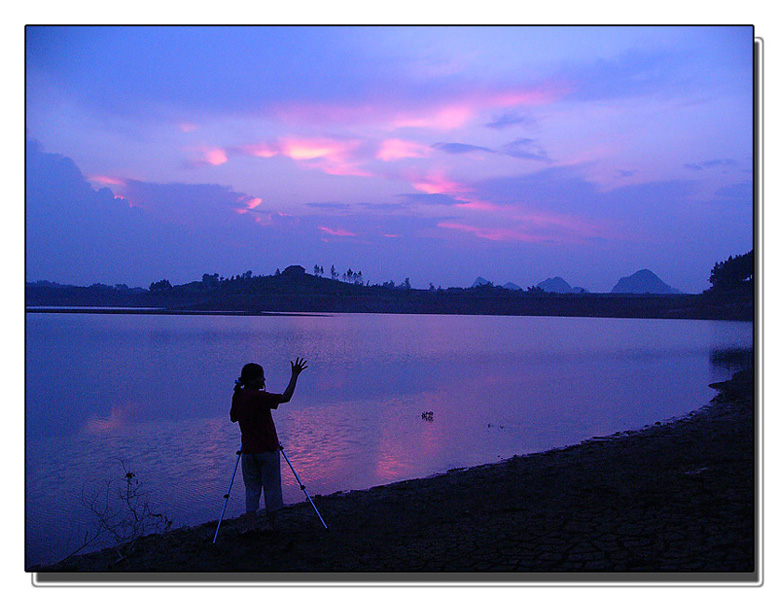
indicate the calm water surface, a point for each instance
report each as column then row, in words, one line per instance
column 153, row 393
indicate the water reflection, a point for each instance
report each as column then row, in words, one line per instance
column 498, row 386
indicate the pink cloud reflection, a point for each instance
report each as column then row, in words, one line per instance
column 119, row 417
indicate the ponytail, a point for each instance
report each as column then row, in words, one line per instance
column 251, row 372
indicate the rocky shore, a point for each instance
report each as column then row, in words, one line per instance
column 674, row 502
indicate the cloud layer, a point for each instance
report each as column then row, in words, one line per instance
column 492, row 151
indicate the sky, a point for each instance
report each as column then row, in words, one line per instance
column 438, row 154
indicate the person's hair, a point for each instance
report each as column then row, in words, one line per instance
column 250, row 372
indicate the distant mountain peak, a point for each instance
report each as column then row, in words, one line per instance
column 555, row 284
column 480, row 281
column 643, row 281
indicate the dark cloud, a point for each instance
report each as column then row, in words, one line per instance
column 556, row 188
column 385, row 206
column 633, row 73
column 200, row 206
column 329, row 206
column 566, row 190
column 430, row 199
column 76, row 234
column 507, row 120
column 523, row 148
column 458, row 148
column 719, row 163
column 162, row 72
column 713, row 163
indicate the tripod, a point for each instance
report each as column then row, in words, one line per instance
column 232, row 480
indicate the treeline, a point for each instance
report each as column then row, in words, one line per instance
column 736, row 274
column 293, row 290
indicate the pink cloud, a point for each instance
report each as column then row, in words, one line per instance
column 478, row 205
column 337, row 232
column 448, row 113
column 443, row 118
column 516, row 224
column 107, row 180
column 458, row 114
column 251, row 203
column 316, row 148
column 438, row 183
column 338, row 157
column 260, row 150
column 548, row 93
column 214, row 156
column 538, row 219
column 394, row 149
column 333, row 113
column 495, row 234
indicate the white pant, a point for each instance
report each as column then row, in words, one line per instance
column 262, row 470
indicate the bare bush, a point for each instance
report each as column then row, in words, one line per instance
column 121, row 513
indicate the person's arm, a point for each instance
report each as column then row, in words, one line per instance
column 298, row 366
column 234, row 408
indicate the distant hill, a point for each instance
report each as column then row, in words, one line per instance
column 643, row 282
column 294, row 291
column 480, row 281
column 555, row 284
column 559, row 286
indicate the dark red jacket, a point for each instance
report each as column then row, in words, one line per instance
column 251, row 410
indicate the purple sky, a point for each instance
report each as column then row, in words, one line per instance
column 435, row 153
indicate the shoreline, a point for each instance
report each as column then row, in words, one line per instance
column 119, row 310
column 109, row 310
column 673, row 499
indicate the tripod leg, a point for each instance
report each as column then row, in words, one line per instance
column 302, row 487
column 227, row 497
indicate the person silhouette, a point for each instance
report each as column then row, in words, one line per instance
column 260, row 448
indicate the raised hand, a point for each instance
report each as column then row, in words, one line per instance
column 298, row 366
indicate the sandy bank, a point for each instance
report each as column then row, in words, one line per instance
column 674, row 500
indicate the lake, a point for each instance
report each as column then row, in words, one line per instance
column 151, row 394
